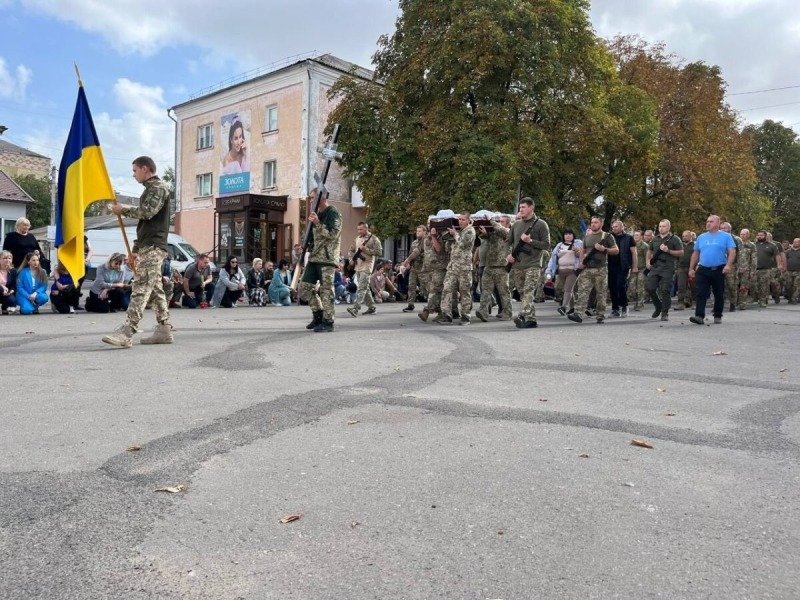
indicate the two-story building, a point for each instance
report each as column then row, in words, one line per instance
column 246, row 155
column 16, row 161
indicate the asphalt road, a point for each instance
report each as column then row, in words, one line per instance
column 425, row 461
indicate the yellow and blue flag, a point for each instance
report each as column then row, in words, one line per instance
column 82, row 179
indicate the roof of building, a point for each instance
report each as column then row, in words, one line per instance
column 14, row 149
column 11, row 192
column 328, row 60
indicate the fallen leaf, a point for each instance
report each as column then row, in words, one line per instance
column 661, row 389
column 29, row 333
column 353, row 422
column 641, row 444
column 720, row 354
column 627, row 484
column 173, row 489
column 542, row 399
column 583, row 456
column 133, row 448
column 290, row 518
column 354, row 524
column 568, row 448
column 782, row 371
column 669, row 414
column 500, row 532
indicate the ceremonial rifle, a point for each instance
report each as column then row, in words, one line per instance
column 330, row 154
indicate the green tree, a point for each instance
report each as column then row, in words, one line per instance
column 777, row 153
column 37, row 188
column 472, row 101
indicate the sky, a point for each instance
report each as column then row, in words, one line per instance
column 138, row 58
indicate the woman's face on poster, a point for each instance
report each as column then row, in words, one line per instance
column 237, row 143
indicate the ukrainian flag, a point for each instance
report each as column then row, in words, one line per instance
column 82, row 179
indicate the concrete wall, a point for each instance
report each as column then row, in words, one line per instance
column 16, row 164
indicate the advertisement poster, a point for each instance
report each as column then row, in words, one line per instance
column 224, row 235
column 235, row 160
column 238, row 233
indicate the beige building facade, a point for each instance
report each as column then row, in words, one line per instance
column 17, row 161
column 246, row 157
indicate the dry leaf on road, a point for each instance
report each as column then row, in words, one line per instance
column 290, row 518
column 782, row 371
column 641, row 444
column 661, row 389
column 583, row 456
column 353, row 422
column 720, row 353
column 669, row 414
column 173, row 489
column 133, row 448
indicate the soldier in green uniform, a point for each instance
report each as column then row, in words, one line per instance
column 326, row 237
column 532, row 236
column 413, row 266
column 597, row 245
column 777, row 270
column 637, row 278
column 731, row 283
column 434, row 268
column 746, row 270
column 494, row 280
column 793, row 271
column 363, row 252
column 765, row 264
column 151, row 239
column 685, row 287
column 458, row 279
column 662, row 258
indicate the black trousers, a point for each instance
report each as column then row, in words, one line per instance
column 706, row 280
column 618, row 286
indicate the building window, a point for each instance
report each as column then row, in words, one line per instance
column 204, row 184
column 270, row 174
column 271, row 119
column 205, row 136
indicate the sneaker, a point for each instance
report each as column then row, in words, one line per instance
column 71, row 310
column 481, row 316
column 615, row 313
column 464, row 321
column 562, row 311
column 443, row 320
column 13, row 310
column 624, row 312
column 353, row 312
column 590, row 312
column 336, row 302
column 409, row 308
column 575, row 317
column 370, row 311
column 697, row 320
column 717, row 320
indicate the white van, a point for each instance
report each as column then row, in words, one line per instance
column 107, row 241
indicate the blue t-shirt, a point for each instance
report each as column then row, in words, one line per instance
column 713, row 248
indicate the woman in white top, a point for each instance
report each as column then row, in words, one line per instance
column 230, row 286
column 564, row 262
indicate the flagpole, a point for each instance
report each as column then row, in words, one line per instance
column 131, row 262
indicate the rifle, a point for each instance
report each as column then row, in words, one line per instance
column 591, row 253
column 656, row 254
column 520, row 247
column 329, row 152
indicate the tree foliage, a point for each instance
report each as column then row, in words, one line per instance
column 37, row 188
column 777, row 154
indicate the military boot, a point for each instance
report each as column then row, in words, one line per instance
column 424, row 314
column 316, row 319
column 122, row 336
column 162, row 335
column 481, row 316
column 324, row 326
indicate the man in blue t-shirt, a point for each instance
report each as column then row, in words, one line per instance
column 712, row 259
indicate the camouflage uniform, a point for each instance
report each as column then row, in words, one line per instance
column 495, row 276
column 434, row 267
column 793, row 274
column 731, row 281
column 636, row 281
column 415, row 279
column 322, row 261
column 538, row 295
column 370, row 247
column 745, row 274
column 765, row 263
column 458, row 278
column 526, row 272
column 594, row 276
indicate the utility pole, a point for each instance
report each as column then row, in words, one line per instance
column 53, row 194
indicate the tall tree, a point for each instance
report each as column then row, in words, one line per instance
column 473, row 100
column 37, row 188
column 777, row 153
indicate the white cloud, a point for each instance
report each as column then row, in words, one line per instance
column 13, row 85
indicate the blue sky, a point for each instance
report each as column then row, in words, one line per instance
column 139, row 57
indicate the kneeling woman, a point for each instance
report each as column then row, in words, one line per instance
column 64, row 296
column 279, row 290
column 111, row 290
column 230, row 286
column 31, row 285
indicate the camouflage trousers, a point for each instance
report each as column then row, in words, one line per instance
column 744, row 286
column 457, row 282
column 148, row 281
column 731, row 288
column 364, row 293
column 495, row 281
column 592, row 279
column 322, row 300
column 761, row 289
column 636, row 288
column 776, row 285
column 435, row 283
column 792, row 279
column 526, row 281
column 416, row 285
column 686, row 289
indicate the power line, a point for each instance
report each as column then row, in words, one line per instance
column 788, row 87
column 770, row 106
